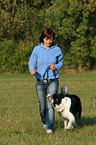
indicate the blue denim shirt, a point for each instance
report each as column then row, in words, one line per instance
column 41, row 58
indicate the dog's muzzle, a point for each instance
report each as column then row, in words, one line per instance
column 48, row 96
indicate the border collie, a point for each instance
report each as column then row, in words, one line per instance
column 68, row 106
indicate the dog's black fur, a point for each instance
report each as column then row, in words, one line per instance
column 75, row 108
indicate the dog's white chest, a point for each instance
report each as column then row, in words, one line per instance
column 64, row 105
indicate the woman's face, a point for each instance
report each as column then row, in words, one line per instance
column 48, row 41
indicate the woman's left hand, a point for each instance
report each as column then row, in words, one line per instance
column 52, row 67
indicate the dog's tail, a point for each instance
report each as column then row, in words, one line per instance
column 78, row 114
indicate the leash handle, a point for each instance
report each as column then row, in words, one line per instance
column 47, row 69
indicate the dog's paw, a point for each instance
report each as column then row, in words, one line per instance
column 68, row 127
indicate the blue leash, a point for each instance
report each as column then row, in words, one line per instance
column 55, row 79
column 54, row 72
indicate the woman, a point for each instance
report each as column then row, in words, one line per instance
column 48, row 59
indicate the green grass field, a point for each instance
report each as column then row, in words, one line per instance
column 20, row 122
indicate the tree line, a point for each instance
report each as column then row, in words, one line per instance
column 22, row 21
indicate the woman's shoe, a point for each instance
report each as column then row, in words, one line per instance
column 49, row 131
column 44, row 126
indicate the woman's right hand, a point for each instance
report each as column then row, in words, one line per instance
column 33, row 71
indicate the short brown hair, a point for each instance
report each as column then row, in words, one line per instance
column 48, row 32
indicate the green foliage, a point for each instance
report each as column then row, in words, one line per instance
column 7, row 49
column 73, row 22
column 14, row 57
column 21, row 57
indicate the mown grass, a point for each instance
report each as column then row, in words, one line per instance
column 20, row 122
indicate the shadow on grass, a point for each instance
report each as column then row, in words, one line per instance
column 84, row 121
column 87, row 121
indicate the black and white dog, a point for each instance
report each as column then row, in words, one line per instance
column 68, row 105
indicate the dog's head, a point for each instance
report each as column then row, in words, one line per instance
column 50, row 98
column 55, row 99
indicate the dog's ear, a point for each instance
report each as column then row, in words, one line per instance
column 54, row 96
column 59, row 96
